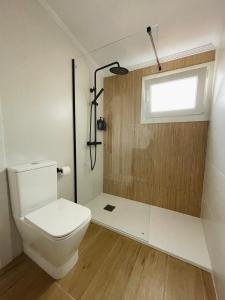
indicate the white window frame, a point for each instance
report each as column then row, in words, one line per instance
column 200, row 113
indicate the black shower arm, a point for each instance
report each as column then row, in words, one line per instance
column 99, row 69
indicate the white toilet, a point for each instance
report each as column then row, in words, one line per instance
column 51, row 228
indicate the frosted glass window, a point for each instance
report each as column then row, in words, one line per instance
column 174, row 95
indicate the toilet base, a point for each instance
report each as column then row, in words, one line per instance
column 53, row 271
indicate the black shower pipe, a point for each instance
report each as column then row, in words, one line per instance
column 149, row 31
column 95, row 104
column 74, row 130
column 99, row 69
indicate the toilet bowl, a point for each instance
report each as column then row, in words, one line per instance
column 51, row 229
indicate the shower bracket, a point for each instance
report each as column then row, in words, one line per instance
column 93, row 143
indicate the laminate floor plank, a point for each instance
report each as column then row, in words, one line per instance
column 183, row 282
column 28, row 282
column 90, row 236
column 113, row 276
column 147, row 280
column 110, row 267
column 209, row 290
column 89, row 263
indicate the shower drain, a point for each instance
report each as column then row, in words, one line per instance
column 109, row 207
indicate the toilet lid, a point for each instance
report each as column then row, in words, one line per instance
column 59, row 218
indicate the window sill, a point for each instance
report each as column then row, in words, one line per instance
column 191, row 118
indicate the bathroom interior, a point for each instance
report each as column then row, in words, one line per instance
column 112, row 150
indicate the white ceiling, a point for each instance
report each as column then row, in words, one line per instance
column 182, row 25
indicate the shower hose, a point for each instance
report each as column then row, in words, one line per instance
column 93, row 161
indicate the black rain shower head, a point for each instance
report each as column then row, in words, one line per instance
column 119, row 70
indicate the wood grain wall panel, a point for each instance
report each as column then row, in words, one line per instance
column 160, row 164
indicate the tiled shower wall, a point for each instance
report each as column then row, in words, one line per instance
column 159, row 164
column 213, row 207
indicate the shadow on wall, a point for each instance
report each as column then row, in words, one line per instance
column 10, row 241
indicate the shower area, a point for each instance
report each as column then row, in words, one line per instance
column 152, row 171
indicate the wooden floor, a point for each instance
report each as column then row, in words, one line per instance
column 110, row 267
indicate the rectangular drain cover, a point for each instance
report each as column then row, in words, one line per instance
column 109, row 207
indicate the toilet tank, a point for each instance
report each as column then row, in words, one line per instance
column 32, row 186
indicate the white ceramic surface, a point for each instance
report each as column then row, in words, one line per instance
column 177, row 234
column 59, row 218
column 127, row 217
column 180, row 235
column 32, row 186
column 53, row 230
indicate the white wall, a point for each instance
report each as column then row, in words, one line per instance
column 213, row 207
column 36, row 100
column 8, row 234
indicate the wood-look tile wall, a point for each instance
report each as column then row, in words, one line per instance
column 160, row 164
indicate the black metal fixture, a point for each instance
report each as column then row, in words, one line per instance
column 101, row 124
column 149, row 31
column 59, row 170
column 109, row 207
column 117, row 70
column 74, row 133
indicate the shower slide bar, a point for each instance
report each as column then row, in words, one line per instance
column 116, row 69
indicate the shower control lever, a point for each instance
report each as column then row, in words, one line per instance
column 93, row 143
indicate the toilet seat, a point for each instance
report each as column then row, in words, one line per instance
column 59, row 219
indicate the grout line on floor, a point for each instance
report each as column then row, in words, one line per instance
column 134, row 265
column 213, row 283
column 165, row 278
column 64, row 291
column 102, row 265
column 92, row 241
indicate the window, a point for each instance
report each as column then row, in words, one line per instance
column 176, row 96
column 167, row 96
